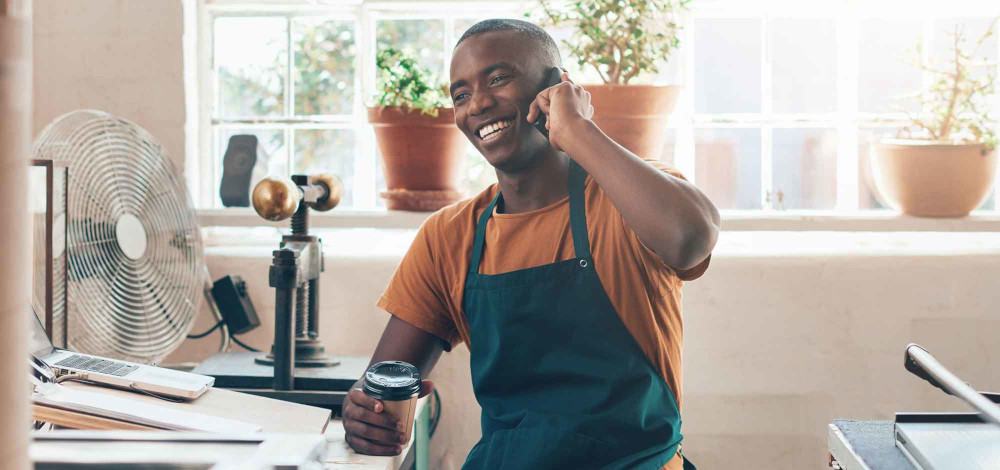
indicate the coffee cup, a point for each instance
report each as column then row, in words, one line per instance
column 397, row 385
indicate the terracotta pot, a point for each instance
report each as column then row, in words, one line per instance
column 932, row 179
column 420, row 152
column 419, row 201
column 635, row 116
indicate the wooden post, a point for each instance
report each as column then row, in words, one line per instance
column 15, row 277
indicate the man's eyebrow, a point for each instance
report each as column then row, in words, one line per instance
column 485, row 71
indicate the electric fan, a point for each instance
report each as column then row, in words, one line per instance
column 135, row 265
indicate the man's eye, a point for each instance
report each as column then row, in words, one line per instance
column 498, row 79
column 459, row 97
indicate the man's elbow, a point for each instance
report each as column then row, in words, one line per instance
column 697, row 242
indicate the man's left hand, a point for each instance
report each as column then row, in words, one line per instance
column 564, row 105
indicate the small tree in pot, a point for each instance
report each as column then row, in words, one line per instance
column 622, row 40
column 421, row 148
column 944, row 163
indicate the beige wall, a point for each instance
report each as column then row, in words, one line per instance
column 15, row 289
column 120, row 56
column 786, row 332
column 780, row 339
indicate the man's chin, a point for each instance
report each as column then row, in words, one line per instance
column 511, row 158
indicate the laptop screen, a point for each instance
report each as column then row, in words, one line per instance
column 40, row 343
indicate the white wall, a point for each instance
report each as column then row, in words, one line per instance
column 786, row 332
column 120, row 56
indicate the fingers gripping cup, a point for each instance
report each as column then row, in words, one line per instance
column 397, row 385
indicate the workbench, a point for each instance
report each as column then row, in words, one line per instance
column 273, row 416
column 861, row 445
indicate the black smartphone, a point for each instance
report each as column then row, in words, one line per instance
column 553, row 78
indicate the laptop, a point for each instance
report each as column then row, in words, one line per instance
column 119, row 374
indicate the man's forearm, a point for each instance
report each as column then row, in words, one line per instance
column 671, row 216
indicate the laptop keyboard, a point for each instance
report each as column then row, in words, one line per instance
column 94, row 364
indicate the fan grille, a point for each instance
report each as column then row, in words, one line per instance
column 135, row 257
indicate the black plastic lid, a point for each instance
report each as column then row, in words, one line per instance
column 392, row 380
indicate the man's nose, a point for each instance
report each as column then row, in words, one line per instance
column 480, row 102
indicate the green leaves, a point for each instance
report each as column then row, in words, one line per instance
column 404, row 83
column 619, row 38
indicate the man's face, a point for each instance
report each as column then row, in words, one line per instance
column 494, row 78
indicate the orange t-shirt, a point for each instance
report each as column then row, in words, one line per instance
column 426, row 289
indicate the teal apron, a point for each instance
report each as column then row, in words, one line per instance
column 561, row 381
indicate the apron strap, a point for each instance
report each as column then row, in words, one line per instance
column 577, row 218
column 578, row 210
column 480, row 238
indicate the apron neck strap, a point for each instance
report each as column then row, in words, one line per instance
column 480, row 239
column 578, row 210
column 577, row 218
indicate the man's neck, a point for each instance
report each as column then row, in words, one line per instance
column 535, row 187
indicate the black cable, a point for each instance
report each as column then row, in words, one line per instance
column 437, row 414
column 210, row 330
column 248, row 348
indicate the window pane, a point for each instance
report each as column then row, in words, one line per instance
column 727, row 166
column 668, row 148
column 805, row 169
column 463, row 24
column 327, row 151
column 324, row 66
column 942, row 49
column 727, row 65
column 886, row 73
column 250, row 59
column 424, row 39
column 868, row 196
column 271, row 154
column 804, row 65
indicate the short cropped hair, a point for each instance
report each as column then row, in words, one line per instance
column 527, row 29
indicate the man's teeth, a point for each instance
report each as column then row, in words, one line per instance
column 487, row 130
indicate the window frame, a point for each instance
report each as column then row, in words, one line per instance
column 845, row 120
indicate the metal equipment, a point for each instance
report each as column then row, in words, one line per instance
column 294, row 274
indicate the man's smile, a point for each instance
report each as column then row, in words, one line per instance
column 495, row 130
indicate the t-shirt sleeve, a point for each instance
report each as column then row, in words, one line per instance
column 416, row 293
column 687, row 274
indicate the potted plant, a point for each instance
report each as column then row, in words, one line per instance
column 623, row 40
column 944, row 162
column 421, row 148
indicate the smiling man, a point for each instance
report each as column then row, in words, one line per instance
column 563, row 279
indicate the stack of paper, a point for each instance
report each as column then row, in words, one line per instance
column 134, row 411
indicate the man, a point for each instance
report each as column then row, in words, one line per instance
column 565, row 287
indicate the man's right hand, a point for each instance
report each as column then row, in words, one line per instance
column 369, row 430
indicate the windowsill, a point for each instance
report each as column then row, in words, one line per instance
column 732, row 220
column 371, row 245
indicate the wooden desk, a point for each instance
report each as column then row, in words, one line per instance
column 340, row 456
column 272, row 415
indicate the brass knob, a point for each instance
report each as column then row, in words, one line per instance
column 276, row 199
column 334, row 189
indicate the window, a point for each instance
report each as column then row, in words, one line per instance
column 781, row 99
column 298, row 77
